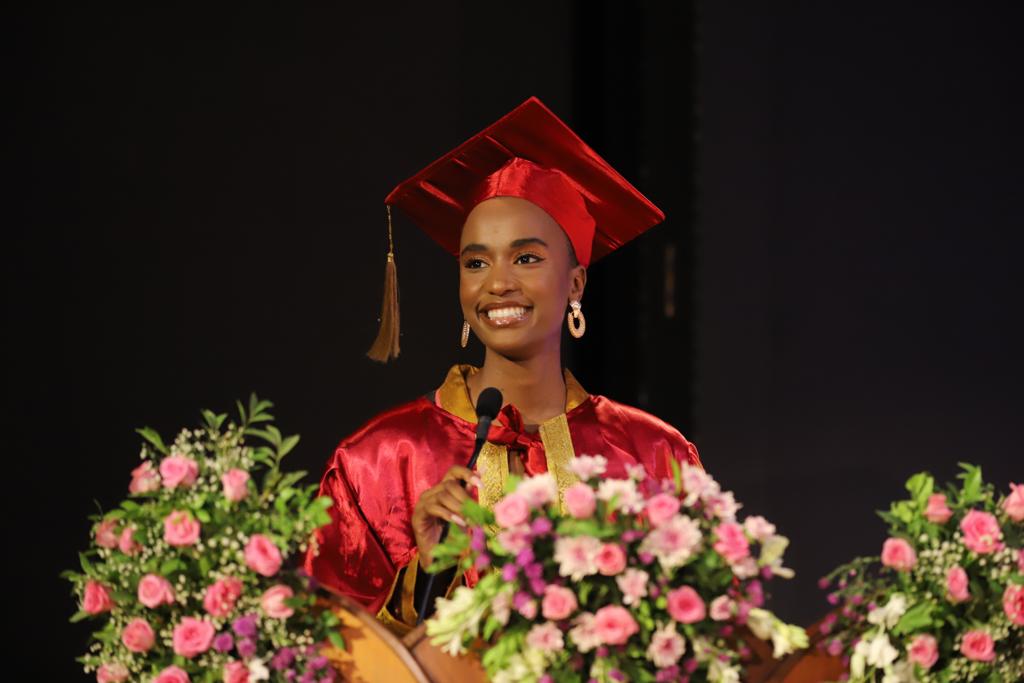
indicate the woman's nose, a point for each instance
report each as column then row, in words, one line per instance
column 501, row 281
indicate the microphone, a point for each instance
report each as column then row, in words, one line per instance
column 488, row 404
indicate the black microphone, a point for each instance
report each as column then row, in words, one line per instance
column 488, row 404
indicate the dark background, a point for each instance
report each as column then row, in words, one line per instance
column 195, row 212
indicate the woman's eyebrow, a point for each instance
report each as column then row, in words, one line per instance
column 527, row 240
column 472, row 248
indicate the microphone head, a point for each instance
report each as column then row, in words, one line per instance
column 488, row 403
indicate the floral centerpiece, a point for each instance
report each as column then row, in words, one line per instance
column 944, row 601
column 637, row 580
column 188, row 577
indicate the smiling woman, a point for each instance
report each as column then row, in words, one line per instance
column 526, row 206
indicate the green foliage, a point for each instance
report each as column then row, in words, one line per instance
column 276, row 505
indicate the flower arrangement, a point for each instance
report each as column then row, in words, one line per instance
column 944, row 601
column 637, row 579
column 189, row 575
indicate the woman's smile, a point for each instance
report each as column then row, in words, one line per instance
column 505, row 314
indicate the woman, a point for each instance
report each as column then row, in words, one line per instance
column 526, row 206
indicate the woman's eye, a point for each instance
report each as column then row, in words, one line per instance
column 528, row 258
column 474, row 263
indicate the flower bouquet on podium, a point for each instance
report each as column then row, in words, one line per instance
column 189, row 575
column 615, row 580
column 944, row 601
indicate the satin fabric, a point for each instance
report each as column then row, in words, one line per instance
column 377, row 474
column 600, row 202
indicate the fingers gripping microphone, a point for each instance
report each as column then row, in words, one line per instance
column 488, row 404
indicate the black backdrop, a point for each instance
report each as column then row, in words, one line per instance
column 196, row 214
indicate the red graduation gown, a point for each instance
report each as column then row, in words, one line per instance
column 377, row 474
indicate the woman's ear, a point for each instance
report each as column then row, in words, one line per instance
column 577, row 283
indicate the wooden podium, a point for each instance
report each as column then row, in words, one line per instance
column 373, row 654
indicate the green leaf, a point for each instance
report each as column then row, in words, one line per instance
column 203, row 516
column 153, row 437
column 287, row 445
column 920, row 487
column 79, row 616
column 336, row 640
column 915, row 618
column 970, row 492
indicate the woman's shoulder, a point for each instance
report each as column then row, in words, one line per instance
column 402, row 420
column 639, row 425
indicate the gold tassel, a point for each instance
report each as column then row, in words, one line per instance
column 385, row 346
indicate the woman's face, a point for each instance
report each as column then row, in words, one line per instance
column 516, row 277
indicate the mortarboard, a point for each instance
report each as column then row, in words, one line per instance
column 529, row 153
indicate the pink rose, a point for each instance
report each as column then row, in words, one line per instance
column 528, row 609
column 262, row 556
column 633, row 584
column 172, row 674
column 722, row 608
column 924, row 651
column 1020, row 560
column 236, row 484
column 758, row 528
column 221, row 595
column 611, row 559
column 685, row 605
column 138, row 635
column 898, row 554
column 144, row 479
column 177, row 470
column 981, row 532
column 273, row 601
column 731, row 542
column 115, row 672
column 96, row 599
column 515, row 539
column 978, row 646
column 957, row 584
column 236, row 672
column 580, row 500
column 661, row 508
column 106, row 534
column 558, row 602
column 545, row 637
column 666, row 647
column 937, row 511
column 614, row 625
column 512, row 510
column 126, row 542
column 192, row 637
column 1014, row 503
column 538, row 490
column 154, row 591
column 181, row 528
column 1013, row 604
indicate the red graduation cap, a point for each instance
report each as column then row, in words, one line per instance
column 529, row 153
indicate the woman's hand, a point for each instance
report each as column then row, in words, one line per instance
column 437, row 505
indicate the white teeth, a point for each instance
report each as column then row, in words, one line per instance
column 506, row 313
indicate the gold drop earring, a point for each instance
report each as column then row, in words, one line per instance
column 464, row 341
column 577, row 323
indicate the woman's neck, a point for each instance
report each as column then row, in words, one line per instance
column 535, row 386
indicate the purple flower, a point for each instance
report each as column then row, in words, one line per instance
column 524, row 557
column 327, row 677
column 632, row 535
column 690, row 665
column 538, row 586
column 246, row 647
column 646, row 558
column 482, row 561
column 833, row 598
column 509, row 571
column 602, row 651
column 308, row 677
column 283, row 659
column 823, row 583
column 668, row 674
column 223, row 642
column 546, row 678
column 477, row 540
column 617, row 675
column 520, row 599
column 245, row 626
column 534, row 571
column 318, row 663
column 541, row 526
column 755, row 593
